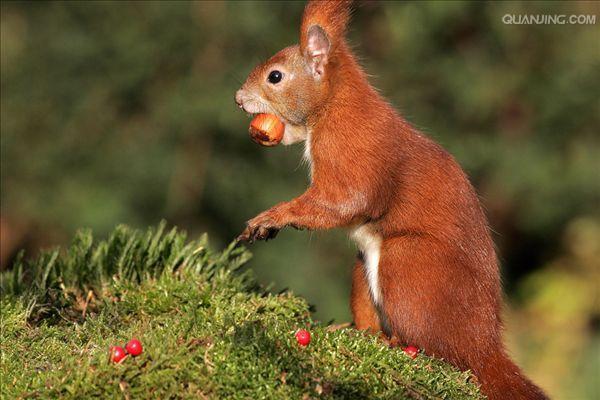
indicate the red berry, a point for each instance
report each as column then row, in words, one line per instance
column 412, row 351
column 134, row 347
column 117, row 354
column 303, row 337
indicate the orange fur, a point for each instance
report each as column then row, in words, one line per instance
column 437, row 271
column 333, row 16
column 363, row 309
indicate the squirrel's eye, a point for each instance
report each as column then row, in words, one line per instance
column 275, row 76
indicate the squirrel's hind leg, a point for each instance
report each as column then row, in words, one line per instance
column 433, row 299
column 363, row 310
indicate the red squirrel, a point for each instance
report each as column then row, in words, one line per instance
column 427, row 272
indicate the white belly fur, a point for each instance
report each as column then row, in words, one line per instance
column 294, row 134
column 308, row 155
column 369, row 243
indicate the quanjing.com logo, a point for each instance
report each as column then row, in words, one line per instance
column 549, row 19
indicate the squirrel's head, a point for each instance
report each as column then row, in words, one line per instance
column 297, row 81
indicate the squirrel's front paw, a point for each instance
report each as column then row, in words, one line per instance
column 259, row 228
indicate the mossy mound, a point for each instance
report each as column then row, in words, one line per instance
column 208, row 331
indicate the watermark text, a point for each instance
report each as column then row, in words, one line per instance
column 549, row 19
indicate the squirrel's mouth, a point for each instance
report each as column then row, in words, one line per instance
column 253, row 106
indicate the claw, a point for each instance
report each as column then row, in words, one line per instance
column 255, row 231
column 245, row 236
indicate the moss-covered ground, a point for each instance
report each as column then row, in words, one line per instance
column 208, row 331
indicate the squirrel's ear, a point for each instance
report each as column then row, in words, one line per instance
column 317, row 50
column 322, row 32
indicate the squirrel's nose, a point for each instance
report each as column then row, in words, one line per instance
column 238, row 99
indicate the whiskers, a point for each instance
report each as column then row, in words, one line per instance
column 233, row 76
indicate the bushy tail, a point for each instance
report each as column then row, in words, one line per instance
column 501, row 379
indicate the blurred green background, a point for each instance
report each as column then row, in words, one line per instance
column 123, row 113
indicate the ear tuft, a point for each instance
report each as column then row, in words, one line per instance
column 331, row 17
column 317, row 50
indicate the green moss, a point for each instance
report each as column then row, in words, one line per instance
column 207, row 331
